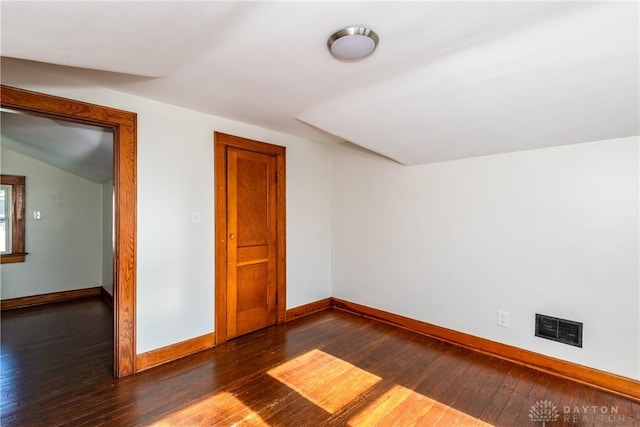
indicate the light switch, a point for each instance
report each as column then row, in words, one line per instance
column 195, row 217
column 37, row 215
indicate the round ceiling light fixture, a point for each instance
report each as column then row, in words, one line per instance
column 352, row 43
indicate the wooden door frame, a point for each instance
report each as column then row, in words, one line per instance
column 221, row 142
column 124, row 125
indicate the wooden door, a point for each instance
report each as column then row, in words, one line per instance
column 251, row 268
column 251, row 247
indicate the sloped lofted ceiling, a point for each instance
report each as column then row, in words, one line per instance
column 82, row 150
column 449, row 80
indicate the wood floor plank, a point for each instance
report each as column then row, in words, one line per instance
column 327, row 369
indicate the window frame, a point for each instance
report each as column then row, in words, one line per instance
column 18, row 193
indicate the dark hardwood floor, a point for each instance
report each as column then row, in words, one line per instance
column 330, row 368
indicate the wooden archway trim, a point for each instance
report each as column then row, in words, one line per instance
column 123, row 124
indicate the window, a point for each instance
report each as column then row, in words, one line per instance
column 5, row 222
column 12, row 210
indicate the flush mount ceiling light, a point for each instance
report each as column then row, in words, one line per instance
column 352, row 43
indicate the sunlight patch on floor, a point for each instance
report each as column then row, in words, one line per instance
column 220, row 409
column 400, row 406
column 330, row 384
column 327, row 381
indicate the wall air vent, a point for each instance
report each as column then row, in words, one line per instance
column 561, row 330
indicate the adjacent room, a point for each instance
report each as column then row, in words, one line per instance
column 320, row 213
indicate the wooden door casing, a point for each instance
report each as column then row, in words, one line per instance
column 250, row 252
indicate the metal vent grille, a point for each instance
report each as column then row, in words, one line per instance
column 561, row 330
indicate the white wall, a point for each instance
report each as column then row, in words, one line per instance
column 175, row 298
column 65, row 245
column 107, row 236
column 551, row 231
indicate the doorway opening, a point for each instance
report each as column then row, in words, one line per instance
column 123, row 124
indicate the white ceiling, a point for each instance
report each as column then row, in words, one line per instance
column 85, row 151
column 449, row 79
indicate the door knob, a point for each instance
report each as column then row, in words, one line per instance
column 232, row 236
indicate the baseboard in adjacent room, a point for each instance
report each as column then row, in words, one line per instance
column 106, row 296
column 28, row 301
column 173, row 352
column 623, row 386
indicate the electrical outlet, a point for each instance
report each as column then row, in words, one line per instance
column 503, row 319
